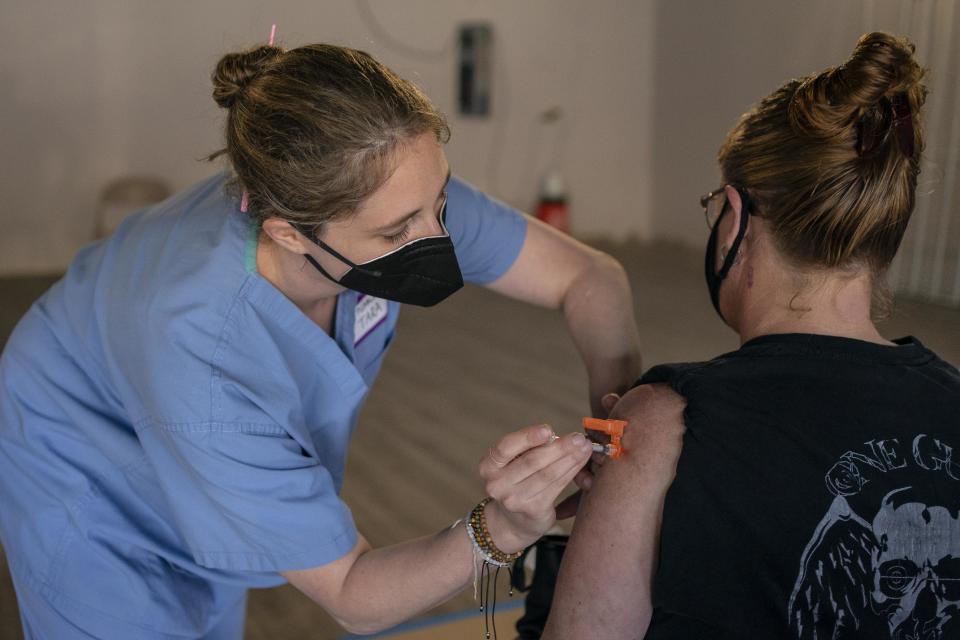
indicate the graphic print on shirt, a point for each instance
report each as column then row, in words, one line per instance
column 884, row 562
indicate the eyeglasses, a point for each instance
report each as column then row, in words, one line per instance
column 715, row 202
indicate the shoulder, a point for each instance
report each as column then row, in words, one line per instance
column 184, row 256
column 655, row 424
column 487, row 234
column 651, row 401
column 462, row 192
column 465, row 202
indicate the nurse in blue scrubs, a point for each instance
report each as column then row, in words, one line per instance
column 175, row 412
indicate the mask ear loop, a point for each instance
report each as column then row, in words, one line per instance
column 323, row 245
column 741, row 232
column 245, row 197
column 370, row 272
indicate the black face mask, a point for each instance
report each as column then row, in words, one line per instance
column 422, row 272
column 714, row 277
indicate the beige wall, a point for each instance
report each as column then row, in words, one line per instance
column 105, row 88
column 714, row 59
column 100, row 89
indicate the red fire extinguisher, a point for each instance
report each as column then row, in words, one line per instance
column 552, row 207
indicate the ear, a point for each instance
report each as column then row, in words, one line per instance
column 283, row 233
column 732, row 227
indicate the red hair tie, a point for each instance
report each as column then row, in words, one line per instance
column 869, row 137
column 903, row 123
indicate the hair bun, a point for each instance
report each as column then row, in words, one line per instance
column 236, row 70
column 881, row 66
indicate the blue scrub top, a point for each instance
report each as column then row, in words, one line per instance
column 173, row 430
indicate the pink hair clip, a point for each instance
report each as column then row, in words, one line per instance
column 245, row 197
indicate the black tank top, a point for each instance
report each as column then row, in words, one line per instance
column 816, row 495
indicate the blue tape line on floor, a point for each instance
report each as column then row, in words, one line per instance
column 432, row 622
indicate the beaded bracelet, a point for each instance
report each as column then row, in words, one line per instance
column 484, row 548
column 476, row 524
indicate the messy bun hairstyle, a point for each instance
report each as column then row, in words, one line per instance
column 311, row 131
column 237, row 70
column 832, row 159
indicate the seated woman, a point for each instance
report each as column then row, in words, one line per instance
column 805, row 485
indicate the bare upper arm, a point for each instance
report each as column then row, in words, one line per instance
column 548, row 264
column 324, row 584
column 604, row 584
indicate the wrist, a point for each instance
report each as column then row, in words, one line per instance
column 503, row 532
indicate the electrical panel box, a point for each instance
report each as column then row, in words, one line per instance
column 476, row 42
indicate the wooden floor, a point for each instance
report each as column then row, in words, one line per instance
column 464, row 373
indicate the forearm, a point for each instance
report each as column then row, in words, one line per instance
column 598, row 308
column 389, row 585
column 386, row 586
column 368, row 590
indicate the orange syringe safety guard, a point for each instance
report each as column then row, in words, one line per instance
column 613, row 428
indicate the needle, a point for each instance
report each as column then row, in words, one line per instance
column 597, row 447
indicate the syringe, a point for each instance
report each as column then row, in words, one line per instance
column 613, row 428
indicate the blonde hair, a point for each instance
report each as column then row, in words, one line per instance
column 821, row 157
